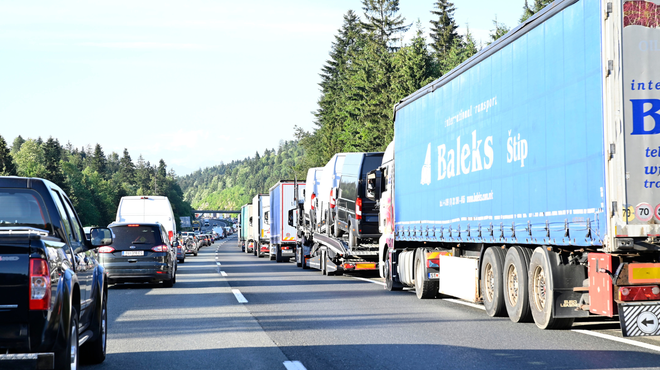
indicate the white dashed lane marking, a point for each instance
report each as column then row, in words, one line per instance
column 294, row 365
column 239, row 296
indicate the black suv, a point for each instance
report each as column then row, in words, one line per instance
column 141, row 252
column 355, row 213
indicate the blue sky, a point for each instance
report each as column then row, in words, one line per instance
column 193, row 82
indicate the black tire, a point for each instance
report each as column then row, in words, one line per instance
column 94, row 351
column 541, row 296
column 169, row 282
column 324, row 271
column 516, row 295
column 256, row 250
column 299, row 256
column 352, row 239
column 491, row 282
column 424, row 288
column 278, row 253
column 195, row 252
column 182, row 260
column 67, row 358
column 389, row 282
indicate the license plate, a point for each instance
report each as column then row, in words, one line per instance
column 132, row 253
column 434, row 275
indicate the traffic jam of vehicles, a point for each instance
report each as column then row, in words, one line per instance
column 55, row 274
column 530, row 196
column 539, row 220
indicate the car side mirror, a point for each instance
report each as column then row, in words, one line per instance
column 100, row 236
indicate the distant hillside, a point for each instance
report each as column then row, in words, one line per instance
column 229, row 186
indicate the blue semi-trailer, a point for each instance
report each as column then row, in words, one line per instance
column 527, row 177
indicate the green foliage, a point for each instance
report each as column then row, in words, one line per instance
column 382, row 21
column 94, row 182
column 30, row 160
column 229, row 186
column 500, row 30
column 535, row 8
column 7, row 167
column 443, row 29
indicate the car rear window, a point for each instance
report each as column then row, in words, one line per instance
column 141, row 237
column 21, row 208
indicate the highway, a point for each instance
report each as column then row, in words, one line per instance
column 232, row 310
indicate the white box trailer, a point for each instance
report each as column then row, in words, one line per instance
column 283, row 234
column 261, row 224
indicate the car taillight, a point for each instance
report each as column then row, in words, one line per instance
column 39, row 284
column 160, row 248
column 358, row 208
column 639, row 293
column 313, row 197
column 106, row 249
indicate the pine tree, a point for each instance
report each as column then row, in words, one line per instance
column 126, row 169
column 414, row 66
column 500, row 30
column 16, row 145
column 443, row 30
column 143, row 174
column 7, row 167
column 462, row 50
column 98, row 161
column 52, row 157
column 535, row 8
column 383, row 22
column 326, row 141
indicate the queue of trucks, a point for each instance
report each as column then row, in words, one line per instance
column 525, row 179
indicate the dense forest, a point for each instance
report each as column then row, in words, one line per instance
column 229, row 186
column 94, row 182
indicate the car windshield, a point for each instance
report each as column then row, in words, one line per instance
column 21, row 208
column 135, row 235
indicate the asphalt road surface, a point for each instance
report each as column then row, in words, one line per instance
column 231, row 310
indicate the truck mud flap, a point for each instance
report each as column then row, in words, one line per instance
column 640, row 319
column 566, row 303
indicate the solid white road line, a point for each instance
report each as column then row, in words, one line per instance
column 481, row 307
column 223, row 273
column 294, row 365
column 239, row 296
column 369, row 280
column 617, row 339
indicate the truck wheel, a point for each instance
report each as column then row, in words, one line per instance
column 67, row 357
column 94, row 351
column 352, row 239
column 491, row 282
column 169, row 282
column 389, row 280
column 424, row 288
column 323, row 267
column 516, row 295
column 540, row 296
column 195, row 252
column 278, row 253
column 299, row 256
